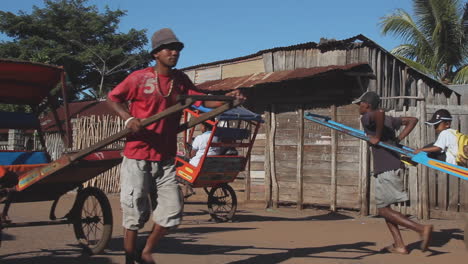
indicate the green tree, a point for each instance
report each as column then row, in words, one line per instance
column 78, row 37
column 435, row 39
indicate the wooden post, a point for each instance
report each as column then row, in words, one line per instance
column 334, row 145
column 274, row 179
column 425, row 170
column 364, row 176
column 423, row 205
column 247, row 181
column 300, row 157
column 266, row 164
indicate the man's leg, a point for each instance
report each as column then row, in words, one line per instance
column 156, row 234
column 134, row 202
column 168, row 212
column 396, row 218
column 398, row 245
column 399, row 219
column 130, row 237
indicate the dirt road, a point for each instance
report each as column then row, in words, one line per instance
column 257, row 236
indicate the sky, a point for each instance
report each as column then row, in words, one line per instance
column 214, row 30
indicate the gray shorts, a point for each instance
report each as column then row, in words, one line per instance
column 389, row 189
column 143, row 181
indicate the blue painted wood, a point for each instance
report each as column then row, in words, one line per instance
column 421, row 157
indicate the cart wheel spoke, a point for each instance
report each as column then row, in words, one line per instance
column 92, row 220
column 222, row 203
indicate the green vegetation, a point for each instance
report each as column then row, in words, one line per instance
column 435, row 39
column 78, row 37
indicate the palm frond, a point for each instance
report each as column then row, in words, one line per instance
column 405, row 50
column 417, row 66
column 461, row 77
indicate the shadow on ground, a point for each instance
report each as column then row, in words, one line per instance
column 330, row 216
column 185, row 241
column 439, row 239
column 354, row 248
column 59, row 256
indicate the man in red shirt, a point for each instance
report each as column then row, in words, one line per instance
column 148, row 165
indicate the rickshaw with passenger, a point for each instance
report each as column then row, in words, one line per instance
column 233, row 133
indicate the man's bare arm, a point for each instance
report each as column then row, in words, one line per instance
column 409, row 122
column 122, row 110
column 379, row 118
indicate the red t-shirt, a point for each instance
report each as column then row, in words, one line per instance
column 157, row 141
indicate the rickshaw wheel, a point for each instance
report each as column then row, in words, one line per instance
column 92, row 220
column 222, row 203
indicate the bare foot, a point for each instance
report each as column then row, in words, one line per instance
column 395, row 250
column 146, row 258
column 426, row 237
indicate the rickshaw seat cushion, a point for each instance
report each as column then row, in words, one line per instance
column 17, row 120
column 21, row 158
column 232, row 133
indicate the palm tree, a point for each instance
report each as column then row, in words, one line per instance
column 436, row 40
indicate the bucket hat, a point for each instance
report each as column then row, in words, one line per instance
column 164, row 37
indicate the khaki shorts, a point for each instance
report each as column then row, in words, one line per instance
column 144, row 183
column 389, row 189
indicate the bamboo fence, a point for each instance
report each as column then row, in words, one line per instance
column 89, row 130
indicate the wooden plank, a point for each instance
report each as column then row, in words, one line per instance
column 300, row 59
column 347, row 197
column 268, row 181
column 279, row 60
column 247, row 181
column 449, row 215
column 290, row 60
column 432, row 181
column 311, row 57
column 268, row 61
column 453, row 109
column 207, row 74
column 464, row 197
column 372, row 204
column 242, row 68
column 378, row 73
column 300, row 155
column 334, row 144
column 442, row 183
column 373, row 63
column 453, row 193
column 271, row 143
column 191, row 75
column 425, row 171
column 394, row 85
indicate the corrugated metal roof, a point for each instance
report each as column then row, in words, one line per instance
column 252, row 80
column 345, row 44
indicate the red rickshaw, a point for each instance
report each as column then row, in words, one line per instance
column 235, row 131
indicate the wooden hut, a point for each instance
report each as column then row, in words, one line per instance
column 302, row 163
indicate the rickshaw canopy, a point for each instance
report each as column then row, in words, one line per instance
column 238, row 113
column 24, row 82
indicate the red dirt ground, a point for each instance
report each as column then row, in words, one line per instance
column 256, row 236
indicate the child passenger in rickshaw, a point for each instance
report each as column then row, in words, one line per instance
column 201, row 142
